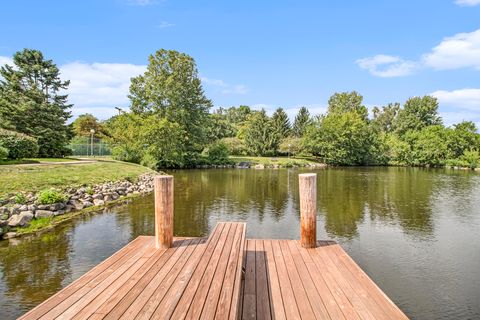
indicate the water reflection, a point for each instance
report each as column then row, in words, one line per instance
column 410, row 229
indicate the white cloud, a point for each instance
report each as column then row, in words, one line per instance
column 5, row 60
column 223, row 87
column 99, row 87
column 387, row 66
column 467, row 3
column 459, row 105
column 460, row 51
column 165, row 24
column 468, row 99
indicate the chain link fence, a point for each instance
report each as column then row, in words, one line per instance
column 92, row 149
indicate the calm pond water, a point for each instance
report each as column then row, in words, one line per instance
column 416, row 232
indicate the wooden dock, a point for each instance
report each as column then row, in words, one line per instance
column 224, row 276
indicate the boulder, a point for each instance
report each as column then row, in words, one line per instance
column 20, row 220
column 56, row 206
column 78, row 205
column 42, row 207
column 97, row 196
column 87, row 204
column 59, row 212
column 259, row 166
column 115, row 196
column 98, row 202
column 43, row 214
column 23, row 207
column 107, row 197
column 9, row 235
column 32, row 207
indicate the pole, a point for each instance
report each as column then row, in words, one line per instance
column 163, row 211
column 308, row 209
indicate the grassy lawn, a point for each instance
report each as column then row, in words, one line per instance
column 282, row 161
column 14, row 179
column 37, row 160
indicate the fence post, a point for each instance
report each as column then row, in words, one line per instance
column 308, row 209
column 163, row 211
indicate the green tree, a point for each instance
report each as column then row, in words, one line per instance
column 260, row 136
column 301, row 122
column 340, row 139
column 281, row 123
column 83, row 125
column 171, row 89
column 383, row 119
column 429, row 146
column 347, row 102
column 32, row 101
column 219, row 126
column 463, row 137
column 417, row 113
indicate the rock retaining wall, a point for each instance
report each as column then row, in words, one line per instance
column 13, row 215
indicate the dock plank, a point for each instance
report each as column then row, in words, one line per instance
column 224, row 276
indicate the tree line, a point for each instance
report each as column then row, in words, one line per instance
column 170, row 122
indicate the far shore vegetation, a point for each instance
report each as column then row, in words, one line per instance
column 171, row 123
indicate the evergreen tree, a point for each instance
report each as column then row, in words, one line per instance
column 302, row 120
column 260, row 136
column 281, row 123
column 31, row 101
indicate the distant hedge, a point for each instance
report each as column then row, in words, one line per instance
column 19, row 145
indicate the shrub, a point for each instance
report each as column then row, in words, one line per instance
column 20, row 198
column 290, row 146
column 235, row 146
column 50, row 196
column 216, row 153
column 89, row 190
column 471, row 158
column 3, row 153
column 19, row 145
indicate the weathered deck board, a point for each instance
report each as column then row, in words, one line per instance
column 317, row 283
column 203, row 279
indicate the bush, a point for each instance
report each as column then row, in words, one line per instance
column 216, row 153
column 20, row 198
column 19, row 145
column 235, row 146
column 290, row 146
column 50, row 196
column 3, row 153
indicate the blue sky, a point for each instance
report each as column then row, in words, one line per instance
column 261, row 53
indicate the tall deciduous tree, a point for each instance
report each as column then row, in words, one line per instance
column 417, row 113
column 384, row 119
column 32, row 101
column 347, row 102
column 171, row 89
column 302, row 120
column 83, row 125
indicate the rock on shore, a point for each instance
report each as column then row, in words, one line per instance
column 13, row 215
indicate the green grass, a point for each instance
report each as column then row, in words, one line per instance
column 281, row 161
column 15, row 179
column 37, row 160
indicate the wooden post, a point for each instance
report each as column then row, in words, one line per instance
column 308, row 209
column 163, row 211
